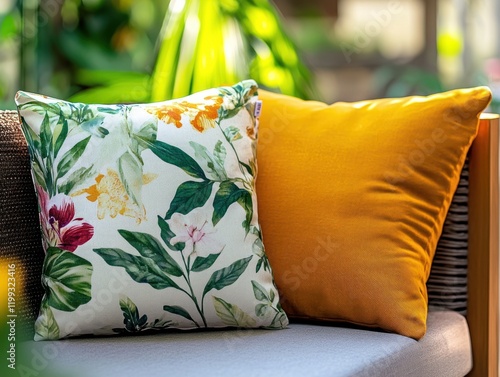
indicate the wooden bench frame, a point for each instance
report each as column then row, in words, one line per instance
column 483, row 301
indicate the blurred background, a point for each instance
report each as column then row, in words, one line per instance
column 143, row 50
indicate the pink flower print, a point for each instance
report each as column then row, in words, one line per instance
column 196, row 232
column 60, row 228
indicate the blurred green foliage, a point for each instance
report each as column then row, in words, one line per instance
column 64, row 46
column 219, row 42
column 117, row 51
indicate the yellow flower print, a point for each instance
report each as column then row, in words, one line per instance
column 202, row 116
column 112, row 198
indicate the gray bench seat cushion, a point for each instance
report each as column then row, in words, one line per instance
column 300, row 350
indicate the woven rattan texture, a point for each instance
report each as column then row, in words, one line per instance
column 20, row 241
column 447, row 284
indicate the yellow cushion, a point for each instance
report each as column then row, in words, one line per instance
column 353, row 197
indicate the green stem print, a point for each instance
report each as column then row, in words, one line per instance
column 188, row 244
column 195, row 193
column 267, row 303
column 188, row 281
column 157, row 267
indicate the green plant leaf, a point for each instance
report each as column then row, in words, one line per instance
column 74, row 179
column 67, row 279
column 179, row 311
column 189, row 195
column 93, row 126
column 71, row 157
column 227, row 194
column 131, row 319
column 32, row 138
column 232, row 134
column 203, row 263
column 280, row 320
column 110, row 109
column 45, row 137
column 258, row 246
column 41, row 107
column 176, row 156
column 140, row 269
column 248, row 168
column 245, row 201
column 259, row 265
column 130, row 170
column 220, row 154
column 214, row 163
column 160, row 324
column 39, row 175
column 61, row 137
column 261, row 309
column 260, row 292
column 166, row 235
column 46, row 327
column 227, row 276
column 147, row 134
column 149, row 247
column 232, row 315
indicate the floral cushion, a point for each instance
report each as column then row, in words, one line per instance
column 149, row 214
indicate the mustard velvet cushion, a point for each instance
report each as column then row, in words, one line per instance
column 352, row 200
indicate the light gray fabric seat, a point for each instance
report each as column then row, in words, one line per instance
column 300, row 350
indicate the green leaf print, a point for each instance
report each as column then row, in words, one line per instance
column 74, row 179
column 260, row 292
column 246, row 202
column 39, row 175
column 69, row 159
column 93, row 126
column 247, row 168
column 189, row 195
column 261, row 309
column 45, row 137
column 267, row 304
column 176, row 156
column 130, row 170
column 227, row 276
column 131, row 319
column 174, row 309
column 67, row 279
column 146, row 135
column 41, row 108
column 232, row 133
column 134, row 322
column 166, row 235
column 150, row 247
column 215, row 163
column 46, row 327
column 227, row 194
column 140, row 269
column 204, row 263
column 232, row 315
column 62, row 127
column 220, row 154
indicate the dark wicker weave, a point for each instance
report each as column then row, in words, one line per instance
column 20, row 241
